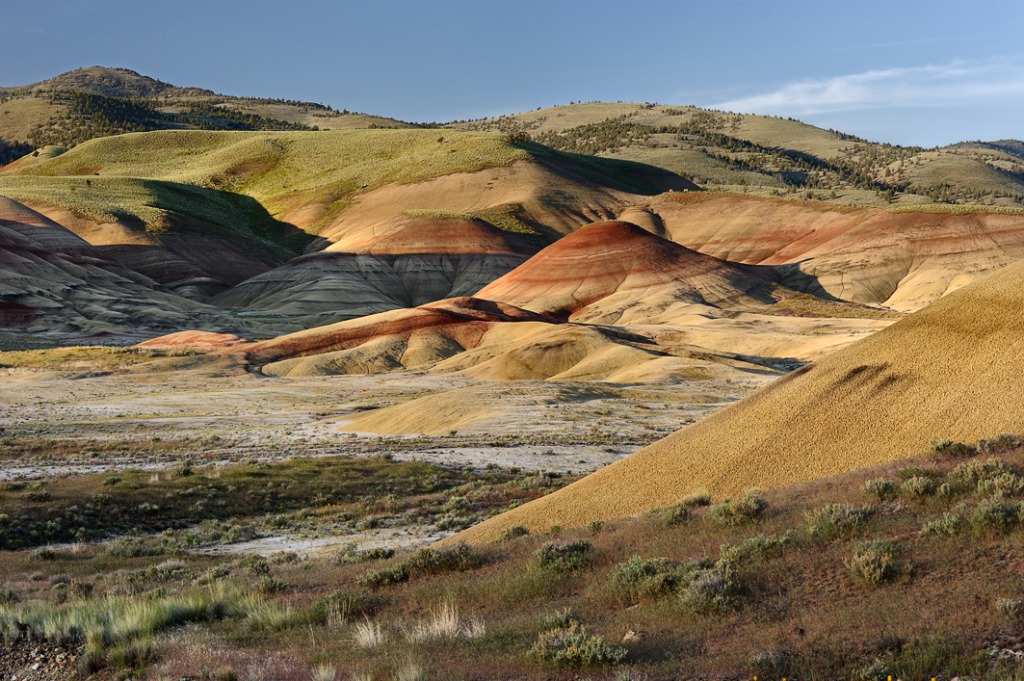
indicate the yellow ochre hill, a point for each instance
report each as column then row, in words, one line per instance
column 949, row 371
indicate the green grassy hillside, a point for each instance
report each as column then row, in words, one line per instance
column 282, row 170
column 279, row 169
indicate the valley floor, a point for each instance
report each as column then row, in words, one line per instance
column 99, row 414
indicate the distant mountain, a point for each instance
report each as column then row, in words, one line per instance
column 775, row 156
column 115, row 82
column 98, row 102
column 755, row 154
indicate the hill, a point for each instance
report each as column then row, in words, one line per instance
column 948, row 371
column 96, row 101
column 774, row 156
column 677, row 313
column 900, row 257
column 621, row 260
column 403, row 217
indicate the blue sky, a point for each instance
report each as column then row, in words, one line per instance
column 911, row 72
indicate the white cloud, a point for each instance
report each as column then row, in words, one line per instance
column 959, row 83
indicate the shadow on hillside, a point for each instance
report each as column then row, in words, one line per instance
column 792, row 277
column 627, row 176
column 229, row 214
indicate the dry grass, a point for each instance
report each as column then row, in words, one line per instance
column 444, row 622
column 369, row 634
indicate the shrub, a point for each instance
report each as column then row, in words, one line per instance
column 337, row 608
column 880, row 488
column 1001, row 443
column 770, row 664
column 558, row 556
column 874, row 563
column 878, row 670
column 676, row 514
column 751, row 506
column 268, row 585
column 376, row 553
column 513, row 532
column 256, row 565
column 43, row 553
column 833, row 520
column 647, row 577
column 712, row 589
column 955, row 450
column 573, row 646
column 995, row 515
column 132, row 547
column 918, row 486
column 758, row 547
column 560, row 619
column 968, row 474
column 376, row 579
column 456, row 558
column 1004, row 484
column 949, row 523
column 696, row 499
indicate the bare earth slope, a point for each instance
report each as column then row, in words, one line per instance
column 414, row 260
column 401, row 217
column 950, row 371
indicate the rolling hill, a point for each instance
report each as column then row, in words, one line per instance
column 387, row 218
column 93, row 102
column 948, row 371
column 774, row 156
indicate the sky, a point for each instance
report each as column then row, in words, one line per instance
column 907, row 72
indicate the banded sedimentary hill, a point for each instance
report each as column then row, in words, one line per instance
column 620, row 266
column 52, row 281
column 902, row 258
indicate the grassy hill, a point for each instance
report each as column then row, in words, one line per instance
column 96, row 101
column 774, row 155
column 283, row 170
column 280, row 169
column 758, row 153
